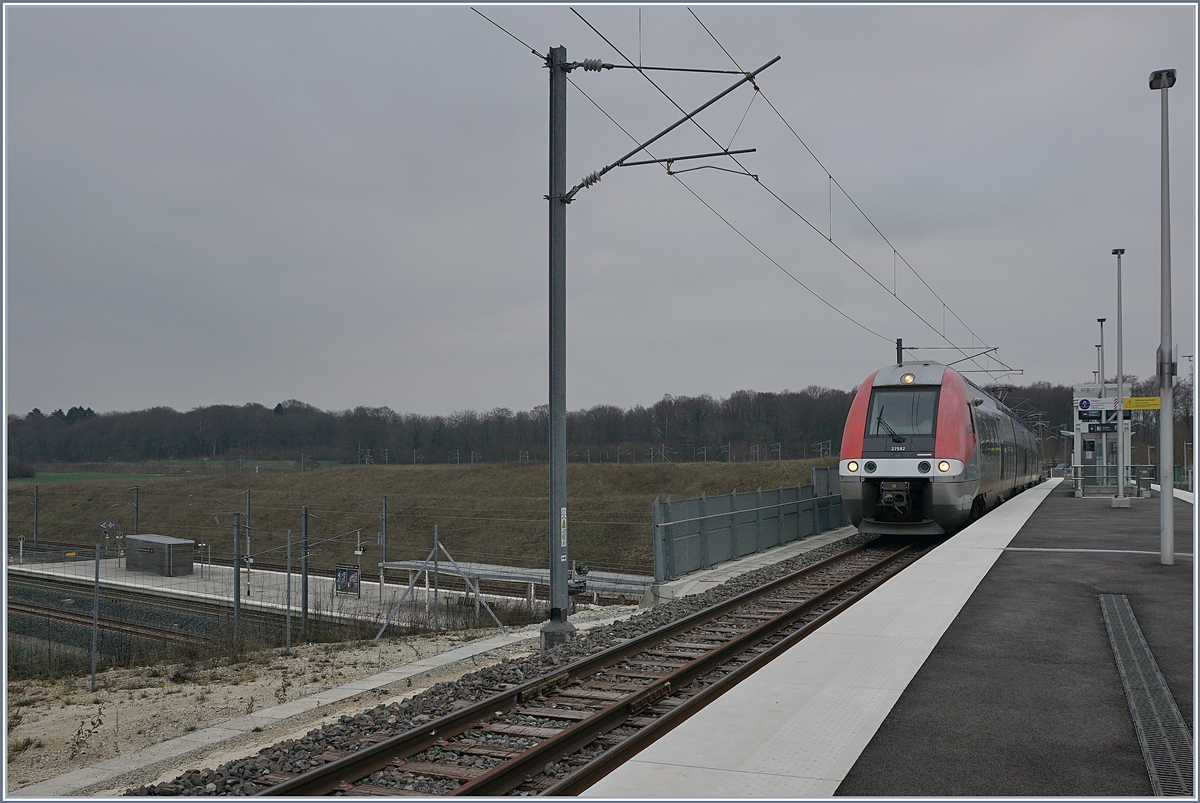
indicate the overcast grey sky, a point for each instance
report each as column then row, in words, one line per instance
column 343, row 205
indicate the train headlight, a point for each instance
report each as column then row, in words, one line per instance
column 870, row 466
column 908, row 379
column 944, row 466
column 923, row 467
column 852, row 466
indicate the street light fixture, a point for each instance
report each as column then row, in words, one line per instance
column 1120, row 500
column 1162, row 80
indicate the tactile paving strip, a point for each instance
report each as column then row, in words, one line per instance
column 1161, row 731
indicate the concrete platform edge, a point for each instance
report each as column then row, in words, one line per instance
column 794, row 746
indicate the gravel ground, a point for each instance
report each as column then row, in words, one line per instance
column 455, row 688
column 68, row 727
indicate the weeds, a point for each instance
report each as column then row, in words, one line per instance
column 15, row 717
column 20, row 746
column 281, row 693
column 86, row 731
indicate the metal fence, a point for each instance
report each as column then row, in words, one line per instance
column 693, row 534
column 1099, row 480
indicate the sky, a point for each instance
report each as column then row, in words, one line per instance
column 344, row 205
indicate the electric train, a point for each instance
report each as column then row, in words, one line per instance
column 926, row 451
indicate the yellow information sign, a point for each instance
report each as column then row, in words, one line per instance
column 1143, row 403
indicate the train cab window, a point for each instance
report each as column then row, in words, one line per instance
column 900, row 412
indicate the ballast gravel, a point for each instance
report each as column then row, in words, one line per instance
column 247, row 776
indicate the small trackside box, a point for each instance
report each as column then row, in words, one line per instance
column 159, row 554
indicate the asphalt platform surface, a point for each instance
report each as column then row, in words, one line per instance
column 1021, row 697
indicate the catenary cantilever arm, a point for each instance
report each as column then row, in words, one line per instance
column 593, row 178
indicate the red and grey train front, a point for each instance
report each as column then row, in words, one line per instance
column 909, row 463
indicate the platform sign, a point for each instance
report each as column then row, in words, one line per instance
column 346, row 580
column 1143, row 403
column 1096, row 404
column 1102, row 428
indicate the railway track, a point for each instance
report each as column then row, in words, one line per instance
column 112, row 625
column 559, row 734
column 515, row 588
column 183, row 605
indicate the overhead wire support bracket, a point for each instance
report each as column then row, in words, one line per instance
column 672, row 172
column 959, row 349
column 973, row 356
column 595, row 176
column 682, row 158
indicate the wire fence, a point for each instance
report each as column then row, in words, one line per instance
column 511, row 529
column 62, row 599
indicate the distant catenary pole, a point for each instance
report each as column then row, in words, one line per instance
column 304, row 572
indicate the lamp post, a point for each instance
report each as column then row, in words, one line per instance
column 1162, row 80
column 1120, row 499
column 1103, row 394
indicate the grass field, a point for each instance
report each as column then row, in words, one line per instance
column 51, row 478
column 491, row 513
column 157, row 471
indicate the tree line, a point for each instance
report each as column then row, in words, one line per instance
column 746, row 425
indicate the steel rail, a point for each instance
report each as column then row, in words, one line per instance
column 617, row 755
column 208, row 607
column 338, row 774
column 507, row 776
column 114, row 625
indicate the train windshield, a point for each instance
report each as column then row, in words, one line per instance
column 900, row 412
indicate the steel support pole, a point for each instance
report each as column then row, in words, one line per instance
column 1166, row 434
column 304, row 572
column 1120, row 500
column 237, row 576
column 437, row 602
column 558, row 630
column 1104, row 415
column 135, row 510
column 381, row 568
column 287, row 633
column 95, row 615
column 248, row 552
column 35, row 515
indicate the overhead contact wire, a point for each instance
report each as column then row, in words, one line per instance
column 752, row 244
column 946, row 307
column 531, row 50
column 735, row 228
column 866, row 217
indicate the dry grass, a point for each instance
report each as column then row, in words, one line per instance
column 493, row 513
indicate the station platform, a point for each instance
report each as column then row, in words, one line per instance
column 983, row 669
